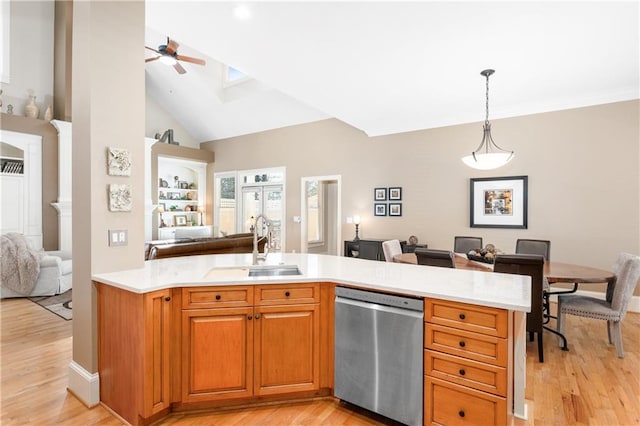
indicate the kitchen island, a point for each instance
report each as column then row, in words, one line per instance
column 199, row 332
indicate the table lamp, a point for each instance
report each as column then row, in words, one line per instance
column 161, row 210
column 201, row 211
column 356, row 220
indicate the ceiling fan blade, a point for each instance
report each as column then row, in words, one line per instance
column 192, row 60
column 152, row 59
column 150, row 48
column 172, row 47
column 179, row 68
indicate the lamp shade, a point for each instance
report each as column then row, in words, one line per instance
column 487, row 161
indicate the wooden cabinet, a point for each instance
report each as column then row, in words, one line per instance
column 134, row 344
column 241, row 341
column 465, row 360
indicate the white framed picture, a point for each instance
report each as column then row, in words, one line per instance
column 118, row 162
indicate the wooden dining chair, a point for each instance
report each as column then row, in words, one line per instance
column 466, row 244
column 430, row 257
column 533, row 266
column 391, row 248
column 613, row 311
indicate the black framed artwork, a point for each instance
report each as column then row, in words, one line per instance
column 499, row 202
column 380, row 194
column 379, row 209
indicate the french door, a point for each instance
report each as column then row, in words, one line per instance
column 267, row 200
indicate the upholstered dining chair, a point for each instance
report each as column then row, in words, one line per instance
column 542, row 247
column 466, row 244
column 612, row 311
column 532, row 265
column 430, row 257
column 391, row 248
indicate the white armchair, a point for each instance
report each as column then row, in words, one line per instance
column 54, row 277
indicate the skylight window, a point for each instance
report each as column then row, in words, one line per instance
column 233, row 76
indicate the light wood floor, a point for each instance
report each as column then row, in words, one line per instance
column 588, row 385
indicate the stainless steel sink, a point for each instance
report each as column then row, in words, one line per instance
column 274, row 270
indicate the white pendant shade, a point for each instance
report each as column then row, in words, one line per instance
column 489, row 161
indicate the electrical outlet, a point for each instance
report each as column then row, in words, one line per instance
column 118, row 237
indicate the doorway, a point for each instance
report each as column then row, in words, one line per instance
column 321, row 227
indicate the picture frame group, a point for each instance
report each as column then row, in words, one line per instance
column 392, row 193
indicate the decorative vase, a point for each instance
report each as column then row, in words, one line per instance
column 48, row 113
column 31, row 109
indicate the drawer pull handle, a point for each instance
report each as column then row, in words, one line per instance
column 167, row 299
column 462, row 316
column 257, row 316
column 218, row 297
column 249, row 317
column 286, row 293
column 462, row 344
column 462, row 372
column 461, row 413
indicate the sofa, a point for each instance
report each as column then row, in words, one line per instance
column 236, row 243
column 54, row 277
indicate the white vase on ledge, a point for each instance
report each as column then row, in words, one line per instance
column 31, row 109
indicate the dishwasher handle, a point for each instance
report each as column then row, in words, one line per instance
column 378, row 307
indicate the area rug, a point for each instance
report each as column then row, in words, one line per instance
column 59, row 304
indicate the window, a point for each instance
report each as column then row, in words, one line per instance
column 225, row 214
column 232, row 76
column 315, row 210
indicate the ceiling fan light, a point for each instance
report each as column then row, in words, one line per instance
column 488, row 161
column 168, row 60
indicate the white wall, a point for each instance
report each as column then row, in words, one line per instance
column 31, row 55
column 158, row 120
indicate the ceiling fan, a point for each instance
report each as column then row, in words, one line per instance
column 168, row 54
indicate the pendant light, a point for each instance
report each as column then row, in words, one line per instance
column 488, row 155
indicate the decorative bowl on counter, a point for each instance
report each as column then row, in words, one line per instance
column 485, row 255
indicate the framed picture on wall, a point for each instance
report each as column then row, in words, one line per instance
column 379, row 209
column 395, row 209
column 395, row 193
column 380, row 194
column 499, row 202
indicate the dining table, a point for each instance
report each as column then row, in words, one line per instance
column 554, row 272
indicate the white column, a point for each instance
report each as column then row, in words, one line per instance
column 149, row 207
column 63, row 204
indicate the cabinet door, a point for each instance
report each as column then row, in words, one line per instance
column 217, row 354
column 287, row 349
column 157, row 308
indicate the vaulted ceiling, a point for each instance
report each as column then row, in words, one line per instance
column 389, row 67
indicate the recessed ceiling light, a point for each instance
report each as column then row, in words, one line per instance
column 242, row 12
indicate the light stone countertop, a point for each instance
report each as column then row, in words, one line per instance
column 512, row 292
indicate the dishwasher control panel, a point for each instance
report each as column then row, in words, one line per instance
column 381, row 298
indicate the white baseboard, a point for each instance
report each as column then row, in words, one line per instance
column 84, row 385
column 634, row 303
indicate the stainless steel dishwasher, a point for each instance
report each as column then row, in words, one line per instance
column 378, row 353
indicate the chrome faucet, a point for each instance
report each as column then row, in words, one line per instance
column 256, row 256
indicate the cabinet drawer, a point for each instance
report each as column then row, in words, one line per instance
column 216, row 297
column 479, row 347
column 285, row 294
column 478, row 375
column 450, row 404
column 479, row 319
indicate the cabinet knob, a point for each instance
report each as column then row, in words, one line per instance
column 167, row 299
column 218, row 297
column 462, row 316
column 286, row 293
column 249, row 317
column 461, row 413
column 462, row 344
column 257, row 316
column 462, row 372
